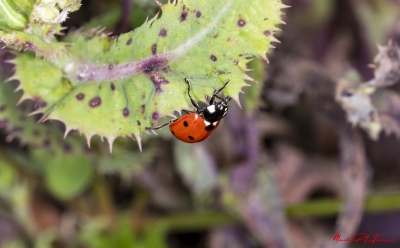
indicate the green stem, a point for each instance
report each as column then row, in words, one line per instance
column 317, row 208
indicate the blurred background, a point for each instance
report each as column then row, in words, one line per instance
column 288, row 169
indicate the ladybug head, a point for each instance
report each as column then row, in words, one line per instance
column 216, row 111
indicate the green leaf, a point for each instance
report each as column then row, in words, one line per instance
column 115, row 87
column 68, row 176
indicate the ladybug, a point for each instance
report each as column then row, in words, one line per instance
column 197, row 126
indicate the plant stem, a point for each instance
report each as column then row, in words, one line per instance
column 317, row 208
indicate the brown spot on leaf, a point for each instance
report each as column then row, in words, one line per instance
column 46, row 143
column 125, row 112
column 112, row 86
column 143, row 107
column 267, row 33
column 213, row 58
column 241, row 22
column 129, row 41
column 67, row 148
column 215, row 36
column 95, row 102
column 80, row 96
column 154, row 49
column 35, row 132
column 156, row 116
column 110, row 67
column 198, row 14
column 163, row 32
column 2, row 108
column 138, row 123
column 183, row 16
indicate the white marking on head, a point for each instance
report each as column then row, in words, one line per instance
column 215, row 123
column 211, row 108
column 206, row 123
column 196, row 116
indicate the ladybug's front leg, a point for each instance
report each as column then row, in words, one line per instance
column 159, row 127
column 216, row 92
column 195, row 104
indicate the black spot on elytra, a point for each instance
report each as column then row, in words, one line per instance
column 112, row 86
column 213, row 58
column 110, row 67
column 80, row 96
column 267, row 33
column 154, row 49
column 198, row 14
column 2, row 108
column 185, row 124
column 138, row 123
column 95, row 102
column 163, row 32
column 241, row 22
column 210, row 127
column 183, row 15
column 156, row 116
column 129, row 41
column 143, row 107
column 125, row 112
column 190, row 137
column 172, row 132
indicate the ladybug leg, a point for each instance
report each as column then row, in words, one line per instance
column 220, row 98
column 159, row 127
column 187, row 111
column 195, row 104
column 216, row 92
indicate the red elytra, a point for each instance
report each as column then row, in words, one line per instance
column 197, row 126
column 191, row 128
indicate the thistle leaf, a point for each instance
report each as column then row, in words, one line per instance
column 115, row 87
